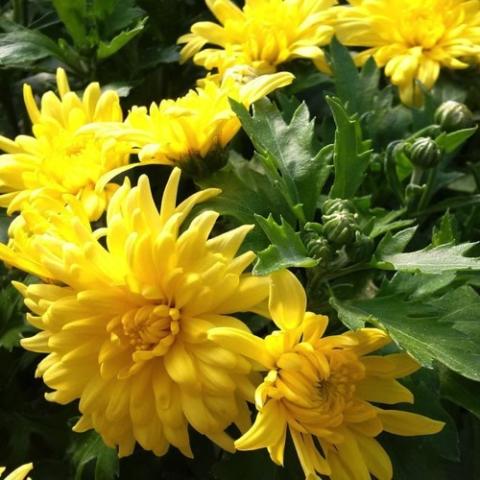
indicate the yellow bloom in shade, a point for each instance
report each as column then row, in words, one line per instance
column 19, row 473
column 56, row 159
column 125, row 324
column 413, row 39
column 184, row 131
column 323, row 389
column 263, row 34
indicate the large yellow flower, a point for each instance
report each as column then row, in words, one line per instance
column 125, row 326
column 56, row 159
column 184, row 131
column 19, row 473
column 264, row 34
column 413, row 39
column 321, row 390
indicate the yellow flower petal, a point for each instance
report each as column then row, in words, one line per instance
column 408, row 424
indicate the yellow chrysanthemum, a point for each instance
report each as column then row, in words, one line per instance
column 321, row 390
column 19, row 473
column 125, row 326
column 184, row 131
column 264, row 34
column 413, row 39
column 56, row 159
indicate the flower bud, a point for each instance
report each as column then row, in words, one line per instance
column 453, row 116
column 361, row 249
column 340, row 227
column 424, row 152
column 318, row 247
column 333, row 205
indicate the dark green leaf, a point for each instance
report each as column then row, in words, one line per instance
column 90, row 448
column 393, row 244
column 351, row 153
column 24, row 48
column 427, row 329
column 287, row 249
column 73, row 15
column 290, row 147
column 461, row 391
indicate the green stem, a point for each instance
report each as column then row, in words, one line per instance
column 427, row 194
column 417, row 174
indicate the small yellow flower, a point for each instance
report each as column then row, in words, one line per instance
column 413, row 39
column 321, row 390
column 185, row 130
column 263, row 34
column 56, row 159
column 125, row 324
column 19, row 473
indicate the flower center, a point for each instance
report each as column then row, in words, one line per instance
column 423, row 26
column 151, row 328
column 316, row 393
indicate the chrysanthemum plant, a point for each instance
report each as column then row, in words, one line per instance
column 267, row 277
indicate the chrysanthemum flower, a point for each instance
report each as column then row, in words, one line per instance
column 323, row 389
column 56, row 159
column 413, row 39
column 184, row 131
column 264, row 34
column 19, row 473
column 125, row 326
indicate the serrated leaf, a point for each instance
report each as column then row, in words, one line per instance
column 449, row 142
column 351, row 153
column 90, row 448
column 286, row 250
column 107, row 49
column 291, row 148
column 388, row 221
column 427, row 329
column 430, row 260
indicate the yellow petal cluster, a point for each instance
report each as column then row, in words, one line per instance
column 185, row 130
column 323, row 390
column 412, row 39
column 263, row 34
column 125, row 316
column 56, row 159
column 19, row 473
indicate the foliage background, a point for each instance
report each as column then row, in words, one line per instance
column 129, row 45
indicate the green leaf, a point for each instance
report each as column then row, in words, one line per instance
column 393, row 244
column 90, row 448
column 24, row 48
column 449, row 142
column 291, row 147
column 430, row 260
column 287, row 249
column 346, row 76
column 461, row 391
column 107, row 49
column 386, row 221
column 351, row 153
column 246, row 191
column 12, row 324
column 429, row 329
column 445, row 232
column 73, row 15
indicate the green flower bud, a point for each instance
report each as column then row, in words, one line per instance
column 333, row 205
column 318, row 247
column 340, row 227
column 453, row 116
column 424, row 152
